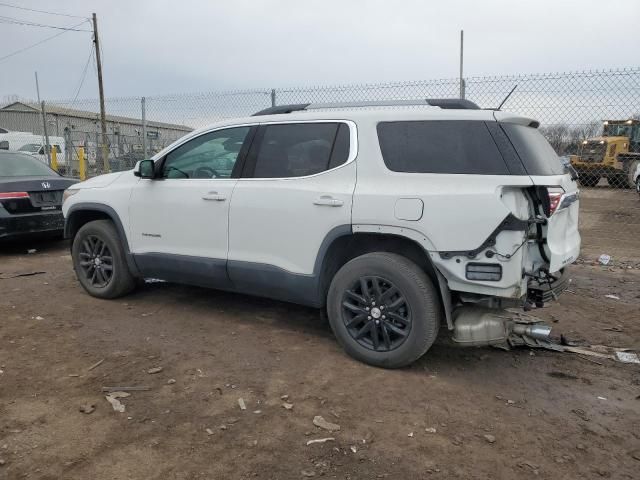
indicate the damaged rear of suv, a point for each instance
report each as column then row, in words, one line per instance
column 494, row 207
column 395, row 220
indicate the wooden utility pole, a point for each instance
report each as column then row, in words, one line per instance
column 462, row 85
column 45, row 138
column 103, row 119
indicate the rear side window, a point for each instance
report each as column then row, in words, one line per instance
column 299, row 149
column 440, row 146
column 537, row 155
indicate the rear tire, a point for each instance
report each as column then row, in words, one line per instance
column 588, row 179
column 403, row 316
column 99, row 261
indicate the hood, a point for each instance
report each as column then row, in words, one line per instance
column 99, row 181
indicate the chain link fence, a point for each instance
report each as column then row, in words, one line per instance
column 592, row 119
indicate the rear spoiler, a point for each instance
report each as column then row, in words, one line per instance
column 505, row 117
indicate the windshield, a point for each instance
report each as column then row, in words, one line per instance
column 30, row 147
column 22, row 165
column 617, row 130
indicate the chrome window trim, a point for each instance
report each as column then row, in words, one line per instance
column 353, row 143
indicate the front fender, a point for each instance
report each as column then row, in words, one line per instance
column 82, row 212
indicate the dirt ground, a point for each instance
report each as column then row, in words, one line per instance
column 610, row 223
column 547, row 415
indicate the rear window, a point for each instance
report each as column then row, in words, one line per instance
column 22, row 165
column 440, row 146
column 537, row 155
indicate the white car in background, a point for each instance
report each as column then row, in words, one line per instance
column 636, row 177
column 33, row 145
column 393, row 219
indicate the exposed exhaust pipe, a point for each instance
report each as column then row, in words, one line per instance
column 481, row 326
column 535, row 330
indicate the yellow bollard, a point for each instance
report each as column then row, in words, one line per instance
column 82, row 168
column 54, row 158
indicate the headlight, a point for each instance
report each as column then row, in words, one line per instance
column 69, row 192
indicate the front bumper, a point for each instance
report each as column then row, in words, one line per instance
column 542, row 292
column 13, row 226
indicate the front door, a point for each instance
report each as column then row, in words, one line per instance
column 179, row 220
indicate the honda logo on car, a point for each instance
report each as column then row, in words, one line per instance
column 46, row 185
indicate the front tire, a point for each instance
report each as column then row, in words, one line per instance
column 384, row 310
column 99, row 261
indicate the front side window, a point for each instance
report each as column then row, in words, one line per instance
column 212, row 155
column 300, row 149
column 440, row 146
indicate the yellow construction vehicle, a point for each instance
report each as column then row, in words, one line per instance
column 614, row 155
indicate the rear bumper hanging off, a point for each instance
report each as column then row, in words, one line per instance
column 540, row 291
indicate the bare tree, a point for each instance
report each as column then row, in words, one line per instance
column 566, row 139
column 558, row 135
column 586, row 130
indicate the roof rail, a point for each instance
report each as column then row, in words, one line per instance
column 453, row 103
column 445, row 103
column 296, row 107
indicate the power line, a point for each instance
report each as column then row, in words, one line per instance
column 84, row 75
column 38, row 43
column 40, row 11
column 16, row 21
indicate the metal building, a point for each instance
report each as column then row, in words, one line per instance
column 82, row 127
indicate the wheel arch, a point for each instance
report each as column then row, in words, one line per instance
column 82, row 213
column 346, row 245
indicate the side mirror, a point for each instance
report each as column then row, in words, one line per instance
column 144, row 169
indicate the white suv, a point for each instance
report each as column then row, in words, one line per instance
column 394, row 217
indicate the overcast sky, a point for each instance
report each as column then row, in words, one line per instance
column 156, row 47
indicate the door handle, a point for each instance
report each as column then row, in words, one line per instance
column 215, row 196
column 328, row 201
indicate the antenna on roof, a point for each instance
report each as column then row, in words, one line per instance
column 507, row 97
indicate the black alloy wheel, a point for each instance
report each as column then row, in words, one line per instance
column 96, row 261
column 100, row 260
column 376, row 314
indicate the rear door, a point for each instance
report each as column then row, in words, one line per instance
column 297, row 188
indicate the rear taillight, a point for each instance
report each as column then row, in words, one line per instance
column 555, row 197
column 13, row 195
